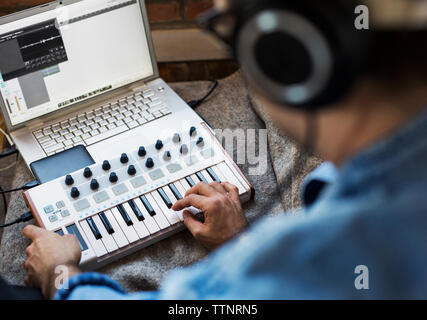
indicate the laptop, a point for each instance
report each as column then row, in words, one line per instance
column 84, row 72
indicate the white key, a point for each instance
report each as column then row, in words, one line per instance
column 149, row 221
column 138, row 225
column 107, row 239
column 180, row 186
column 118, row 234
column 207, row 176
column 96, row 245
column 129, row 231
column 185, row 185
column 170, row 214
column 159, row 216
column 106, row 134
column 195, row 178
column 230, row 176
column 172, row 198
column 219, row 174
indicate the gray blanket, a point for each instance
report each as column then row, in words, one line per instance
column 230, row 107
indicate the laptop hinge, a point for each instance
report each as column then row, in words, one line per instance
column 138, row 85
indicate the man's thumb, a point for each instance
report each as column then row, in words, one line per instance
column 194, row 225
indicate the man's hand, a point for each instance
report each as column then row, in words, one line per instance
column 220, row 204
column 47, row 251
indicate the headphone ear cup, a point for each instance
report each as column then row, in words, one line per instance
column 299, row 53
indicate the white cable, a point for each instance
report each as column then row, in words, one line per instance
column 7, row 137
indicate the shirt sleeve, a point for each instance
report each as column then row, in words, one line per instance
column 89, row 286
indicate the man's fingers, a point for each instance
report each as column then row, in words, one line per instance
column 203, row 189
column 194, row 225
column 194, row 200
column 32, row 232
column 218, row 187
column 233, row 191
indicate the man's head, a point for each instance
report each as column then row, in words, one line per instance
column 362, row 84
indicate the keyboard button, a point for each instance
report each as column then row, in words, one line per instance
column 213, row 175
column 129, row 231
column 124, row 215
column 139, row 226
column 190, row 181
column 169, row 213
column 136, row 210
column 159, row 217
column 118, row 234
column 72, row 229
column 175, row 191
column 207, row 176
column 165, row 198
column 107, row 239
column 149, row 221
column 94, row 228
column 148, row 206
column 106, row 223
column 106, row 135
column 201, row 177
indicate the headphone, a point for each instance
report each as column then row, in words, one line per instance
column 304, row 54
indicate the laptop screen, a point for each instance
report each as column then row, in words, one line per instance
column 55, row 59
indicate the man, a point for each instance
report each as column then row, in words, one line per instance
column 363, row 237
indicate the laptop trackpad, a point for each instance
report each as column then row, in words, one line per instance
column 61, row 164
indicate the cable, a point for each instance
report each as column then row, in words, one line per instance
column 27, row 186
column 195, row 103
column 7, row 137
column 23, row 218
column 8, row 152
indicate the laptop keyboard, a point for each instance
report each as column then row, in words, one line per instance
column 102, row 123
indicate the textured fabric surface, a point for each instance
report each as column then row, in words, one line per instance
column 229, row 107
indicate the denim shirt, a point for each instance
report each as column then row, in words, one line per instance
column 363, row 238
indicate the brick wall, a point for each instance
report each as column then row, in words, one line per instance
column 162, row 13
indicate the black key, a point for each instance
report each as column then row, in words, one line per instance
column 213, row 175
column 175, row 191
column 147, row 206
column 124, row 215
column 72, row 229
column 201, row 177
column 165, row 198
column 190, row 181
column 60, row 232
column 106, row 223
column 136, row 210
column 94, row 228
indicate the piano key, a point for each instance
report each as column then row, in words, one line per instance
column 136, row 210
column 173, row 199
column 107, row 239
column 230, row 176
column 175, row 191
column 60, row 232
column 219, row 174
column 213, row 175
column 201, row 177
column 165, row 198
column 94, row 228
column 184, row 183
column 169, row 213
column 118, row 234
column 73, row 229
column 97, row 245
column 195, row 179
column 147, row 206
column 124, row 215
column 182, row 190
column 160, row 218
column 128, row 231
column 207, row 176
column 139, row 226
column 106, row 223
column 190, row 181
column 149, row 221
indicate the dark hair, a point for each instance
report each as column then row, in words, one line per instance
column 399, row 57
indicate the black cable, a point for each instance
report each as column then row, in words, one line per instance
column 23, row 218
column 29, row 185
column 195, row 103
column 8, row 152
column 4, row 200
